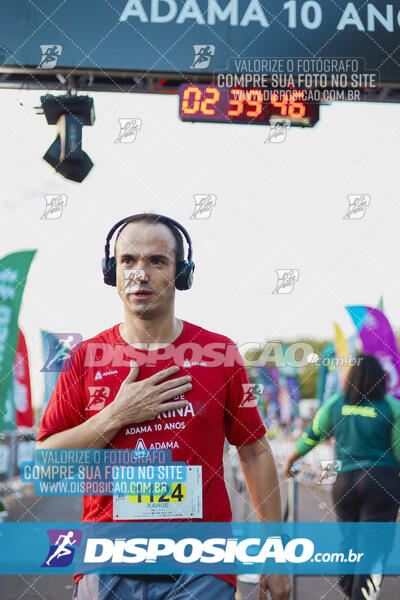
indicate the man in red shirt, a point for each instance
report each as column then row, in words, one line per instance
column 158, row 382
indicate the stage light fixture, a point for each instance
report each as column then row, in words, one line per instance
column 70, row 113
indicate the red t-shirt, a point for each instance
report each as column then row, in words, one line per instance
column 195, row 434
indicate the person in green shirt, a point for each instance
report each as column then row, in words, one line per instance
column 365, row 423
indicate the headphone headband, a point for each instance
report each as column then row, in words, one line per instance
column 161, row 218
column 184, row 271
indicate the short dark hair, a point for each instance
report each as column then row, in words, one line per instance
column 154, row 219
column 366, row 380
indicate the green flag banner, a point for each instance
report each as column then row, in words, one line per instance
column 14, row 270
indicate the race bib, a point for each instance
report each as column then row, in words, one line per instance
column 182, row 500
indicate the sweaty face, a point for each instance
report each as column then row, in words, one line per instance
column 146, row 265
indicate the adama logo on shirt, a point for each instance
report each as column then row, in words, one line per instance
column 141, row 447
column 100, row 375
column 195, row 363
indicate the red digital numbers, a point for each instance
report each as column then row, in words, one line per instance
column 238, row 98
column 191, row 100
column 228, row 105
column 254, row 98
column 207, row 107
column 192, row 103
column 289, row 105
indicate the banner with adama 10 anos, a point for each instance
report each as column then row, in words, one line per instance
column 276, row 37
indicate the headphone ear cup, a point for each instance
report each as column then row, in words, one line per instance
column 184, row 275
column 109, row 268
column 190, row 276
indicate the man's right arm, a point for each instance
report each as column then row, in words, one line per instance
column 96, row 432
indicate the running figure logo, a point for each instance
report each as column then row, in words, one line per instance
column 251, row 398
column 97, row 397
column 278, row 130
column 203, row 205
column 62, row 547
column 286, row 281
column 55, row 203
column 357, row 206
column 388, row 365
column 329, row 471
column 133, row 278
column 202, row 56
column 128, row 129
column 60, row 346
column 50, row 54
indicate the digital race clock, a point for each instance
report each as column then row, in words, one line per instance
column 202, row 102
